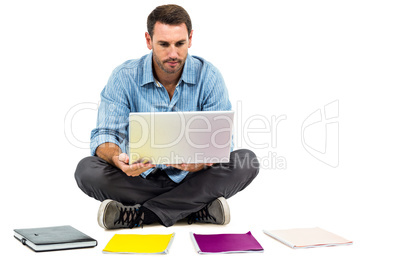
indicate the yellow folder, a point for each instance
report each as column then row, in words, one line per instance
column 136, row 243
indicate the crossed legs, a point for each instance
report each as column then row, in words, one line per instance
column 168, row 200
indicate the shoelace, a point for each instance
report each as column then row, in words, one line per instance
column 200, row 215
column 130, row 217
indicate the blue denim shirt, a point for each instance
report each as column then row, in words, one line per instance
column 133, row 88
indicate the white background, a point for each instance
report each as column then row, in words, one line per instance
column 277, row 57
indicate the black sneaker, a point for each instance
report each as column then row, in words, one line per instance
column 216, row 212
column 114, row 215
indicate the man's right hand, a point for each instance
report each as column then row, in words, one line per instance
column 111, row 153
column 121, row 161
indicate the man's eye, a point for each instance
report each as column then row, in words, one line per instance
column 164, row 44
column 180, row 44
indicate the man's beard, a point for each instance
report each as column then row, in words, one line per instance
column 161, row 65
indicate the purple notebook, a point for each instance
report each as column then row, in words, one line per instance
column 226, row 243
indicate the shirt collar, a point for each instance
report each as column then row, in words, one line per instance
column 188, row 76
column 148, row 76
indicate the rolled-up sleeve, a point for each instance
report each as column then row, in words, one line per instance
column 113, row 113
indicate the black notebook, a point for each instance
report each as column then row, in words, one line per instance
column 54, row 238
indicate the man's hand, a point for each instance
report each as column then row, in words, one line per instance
column 121, row 161
column 190, row 167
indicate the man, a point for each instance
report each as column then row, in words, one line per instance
column 168, row 79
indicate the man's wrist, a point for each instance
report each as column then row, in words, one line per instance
column 109, row 152
column 115, row 161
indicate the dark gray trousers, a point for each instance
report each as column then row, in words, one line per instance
column 170, row 201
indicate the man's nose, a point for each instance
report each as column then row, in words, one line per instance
column 172, row 52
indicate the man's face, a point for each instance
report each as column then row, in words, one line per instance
column 170, row 44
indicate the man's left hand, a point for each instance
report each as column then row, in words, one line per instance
column 190, row 167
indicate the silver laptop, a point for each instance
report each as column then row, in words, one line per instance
column 180, row 137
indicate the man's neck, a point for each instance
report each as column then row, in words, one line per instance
column 169, row 81
column 166, row 79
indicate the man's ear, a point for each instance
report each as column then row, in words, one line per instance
column 190, row 39
column 149, row 41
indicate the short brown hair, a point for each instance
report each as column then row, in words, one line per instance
column 168, row 14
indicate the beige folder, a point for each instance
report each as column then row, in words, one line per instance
column 307, row 238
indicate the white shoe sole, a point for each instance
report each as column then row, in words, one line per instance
column 225, row 206
column 101, row 213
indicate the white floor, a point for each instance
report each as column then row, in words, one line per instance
column 268, row 203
